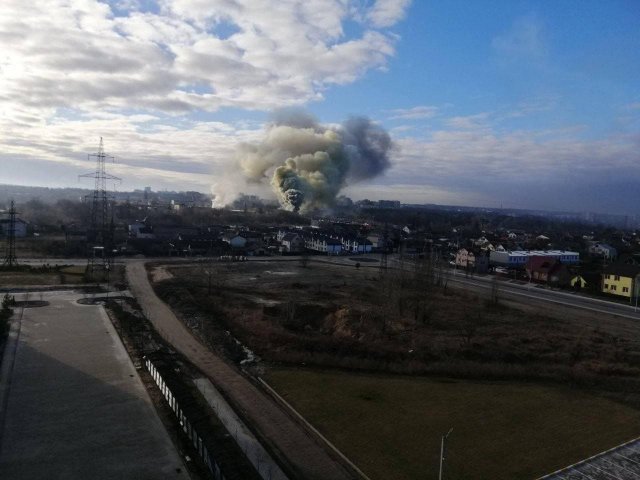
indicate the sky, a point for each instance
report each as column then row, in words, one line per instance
column 513, row 103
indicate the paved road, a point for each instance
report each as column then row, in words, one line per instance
column 306, row 457
column 532, row 293
column 75, row 407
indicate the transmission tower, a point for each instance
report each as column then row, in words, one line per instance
column 10, row 259
column 100, row 232
column 385, row 250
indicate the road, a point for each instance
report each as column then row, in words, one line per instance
column 303, row 454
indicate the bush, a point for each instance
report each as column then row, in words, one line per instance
column 5, row 314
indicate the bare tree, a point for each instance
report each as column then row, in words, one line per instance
column 494, row 299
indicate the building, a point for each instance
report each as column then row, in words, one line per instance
column 603, row 250
column 323, row 244
column 235, row 240
column 468, row 260
column 357, row 244
column 519, row 258
column 292, row 243
column 621, row 279
column 141, row 231
column 465, row 258
column 548, row 270
column 20, row 227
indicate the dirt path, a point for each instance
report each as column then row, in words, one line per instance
column 304, row 455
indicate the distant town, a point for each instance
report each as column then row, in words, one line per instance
column 596, row 253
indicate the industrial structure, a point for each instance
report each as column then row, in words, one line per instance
column 100, row 232
column 10, row 259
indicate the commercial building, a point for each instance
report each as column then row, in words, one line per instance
column 519, row 258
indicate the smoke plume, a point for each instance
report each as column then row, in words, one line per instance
column 307, row 164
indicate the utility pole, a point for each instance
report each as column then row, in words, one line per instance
column 10, row 259
column 100, row 233
column 443, row 444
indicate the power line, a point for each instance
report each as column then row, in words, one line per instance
column 100, row 232
column 10, row 259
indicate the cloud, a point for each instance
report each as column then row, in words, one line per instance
column 385, row 13
column 526, row 169
column 83, row 55
column 415, row 113
column 523, row 41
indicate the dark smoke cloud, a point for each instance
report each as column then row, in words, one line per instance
column 308, row 164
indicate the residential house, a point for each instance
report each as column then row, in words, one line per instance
column 603, row 250
column 578, row 282
column 465, row 258
column 357, row 244
column 292, row 243
column 235, row 240
column 621, row 279
column 548, row 270
column 141, row 231
column 323, row 244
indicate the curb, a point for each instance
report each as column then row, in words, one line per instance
column 6, row 368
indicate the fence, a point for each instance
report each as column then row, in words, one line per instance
column 186, row 423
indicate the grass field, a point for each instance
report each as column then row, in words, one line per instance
column 391, row 426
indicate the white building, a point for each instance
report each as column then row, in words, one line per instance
column 603, row 250
column 323, row 244
column 357, row 245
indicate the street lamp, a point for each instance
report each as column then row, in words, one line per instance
column 443, row 441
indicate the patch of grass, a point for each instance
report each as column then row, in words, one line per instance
column 391, row 426
column 8, row 278
column 74, row 270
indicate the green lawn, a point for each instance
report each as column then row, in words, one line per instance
column 391, row 426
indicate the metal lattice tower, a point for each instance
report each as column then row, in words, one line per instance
column 384, row 258
column 100, row 232
column 10, row 259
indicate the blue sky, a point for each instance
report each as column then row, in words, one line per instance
column 515, row 103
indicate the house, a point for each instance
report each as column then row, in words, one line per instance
column 468, row 260
column 357, row 244
column 235, row 240
column 465, row 258
column 577, row 282
column 323, row 244
column 603, row 250
column 621, row 279
column 20, row 229
column 141, row 231
column 292, row 243
column 547, row 270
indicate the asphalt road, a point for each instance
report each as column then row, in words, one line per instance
column 532, row 293
column 308, row 459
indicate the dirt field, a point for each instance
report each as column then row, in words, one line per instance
column 355, row 318
column 69, row 275
column 391, row 426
